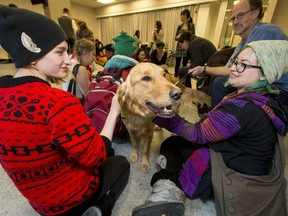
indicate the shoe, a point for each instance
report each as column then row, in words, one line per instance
column 165, row 190
column 159, row 209
column 166, row 200
column 93, row 211
column 161, row 161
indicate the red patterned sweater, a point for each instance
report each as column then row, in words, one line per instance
column 47, row 145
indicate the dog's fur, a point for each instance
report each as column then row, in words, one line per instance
column 145, row 92
column 196, row 97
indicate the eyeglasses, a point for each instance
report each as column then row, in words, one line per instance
column 240, row 66
column 240, row 15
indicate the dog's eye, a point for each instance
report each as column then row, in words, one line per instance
column 146, row 78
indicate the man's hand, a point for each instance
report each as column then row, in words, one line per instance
column 196, row 71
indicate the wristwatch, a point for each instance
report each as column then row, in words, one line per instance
column 204, row 74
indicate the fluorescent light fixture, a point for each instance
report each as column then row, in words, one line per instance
column 105, row 1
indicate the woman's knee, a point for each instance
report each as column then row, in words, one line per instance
column 170, row 143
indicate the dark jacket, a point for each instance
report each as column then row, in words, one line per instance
column 66, row 24
column 199, row 51
column 155, row 60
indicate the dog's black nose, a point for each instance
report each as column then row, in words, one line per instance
column 175, row 94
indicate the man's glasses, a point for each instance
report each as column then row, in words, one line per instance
column 240, row 66
column 240, row 15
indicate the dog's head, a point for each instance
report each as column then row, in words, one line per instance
column 147, row 92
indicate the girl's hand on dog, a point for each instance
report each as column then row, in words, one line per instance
column 115, row 106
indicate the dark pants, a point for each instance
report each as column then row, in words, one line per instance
column 177, row 151
column 116, row 171
column 178, row 63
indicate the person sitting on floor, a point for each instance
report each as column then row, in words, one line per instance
column 49, row 148
column 84, row 56
column 159, row 55
column 141, row 56
column 109, row 51
column 234, row 153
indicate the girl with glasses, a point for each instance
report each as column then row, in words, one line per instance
column 233, row 154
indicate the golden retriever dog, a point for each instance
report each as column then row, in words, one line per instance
column 148, row 91
column 145, row 93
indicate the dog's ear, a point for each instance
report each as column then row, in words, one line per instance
column 125, row 101
column 121, row 91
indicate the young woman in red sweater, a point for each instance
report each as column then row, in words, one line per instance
column 48, row 146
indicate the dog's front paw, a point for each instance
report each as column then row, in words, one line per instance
column 133, row 158
column 145, row 167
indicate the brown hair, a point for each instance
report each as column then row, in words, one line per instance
column 187, row 13
column 83, row 45
column 185, row 36
column 84, row 32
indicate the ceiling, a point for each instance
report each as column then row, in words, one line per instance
column 95, row 4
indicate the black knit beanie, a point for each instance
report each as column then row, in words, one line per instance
column 28, row 36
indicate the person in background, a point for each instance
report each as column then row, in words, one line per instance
column 141, row 56
column 245, row 18
column 84, row 55
column 66, row 167
column 159, row 55
column 157, row 34
column 100, row 57
column 199, row 51
column 124, row 52
column 137, row 38
column 109, row 51
column 84, row 32
column 99, row 47
column 69, row 27
column 180, row 54
column 234, row 153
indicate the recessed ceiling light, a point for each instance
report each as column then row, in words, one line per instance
column 105, row 1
